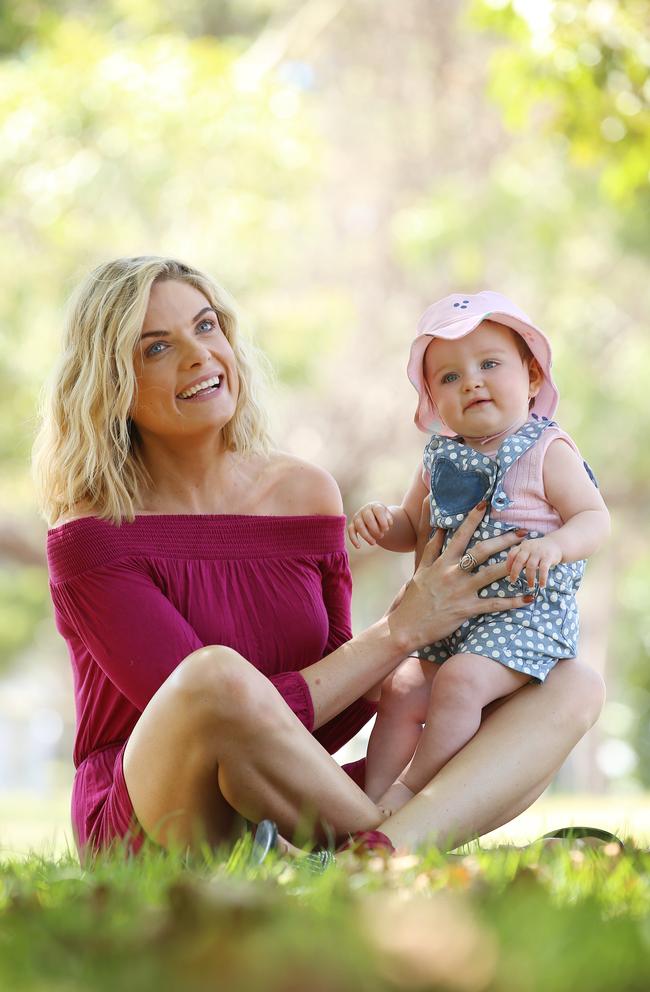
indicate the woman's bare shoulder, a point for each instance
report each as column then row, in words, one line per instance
column 79, row 512
column 299, row 488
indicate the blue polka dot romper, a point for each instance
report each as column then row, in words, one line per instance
column 530, row 640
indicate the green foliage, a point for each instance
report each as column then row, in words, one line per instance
column 163, row 144
column 580, row 69
column 529, row 920
column 24, row 603
column 634, row 647
column 268, row 143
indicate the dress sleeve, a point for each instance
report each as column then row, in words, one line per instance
column 337, row 596
column 133, row 632
column 138, row 637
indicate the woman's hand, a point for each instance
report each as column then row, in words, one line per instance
column 440, row 596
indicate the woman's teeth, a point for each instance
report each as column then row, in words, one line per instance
column 200, row 387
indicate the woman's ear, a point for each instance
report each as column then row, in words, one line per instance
column 535, row 378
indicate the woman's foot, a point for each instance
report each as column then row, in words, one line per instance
column 267, row 839
column 396, row 796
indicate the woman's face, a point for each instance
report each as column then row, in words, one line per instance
column 186, row 371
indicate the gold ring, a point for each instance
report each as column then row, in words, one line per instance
column 468, row 562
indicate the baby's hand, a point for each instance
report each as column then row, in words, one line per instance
column 371, row 522
column 535, row 557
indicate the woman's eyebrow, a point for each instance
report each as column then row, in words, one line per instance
column 162, row 334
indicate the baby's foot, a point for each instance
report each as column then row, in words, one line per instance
column 396, row 796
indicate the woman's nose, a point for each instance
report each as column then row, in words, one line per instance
column 195, row 352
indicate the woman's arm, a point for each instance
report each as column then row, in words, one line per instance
column 136, row 635
column 439, row 597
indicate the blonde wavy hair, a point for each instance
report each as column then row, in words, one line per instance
column 86, row 453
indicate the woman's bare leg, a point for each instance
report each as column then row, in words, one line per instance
column 511, row 758
column 217, row 739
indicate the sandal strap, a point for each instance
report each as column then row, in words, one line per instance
column 265, row 840
column 367, row 842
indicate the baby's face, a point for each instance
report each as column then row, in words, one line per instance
column 481, row 384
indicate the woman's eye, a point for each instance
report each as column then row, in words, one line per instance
column 155, row 349
column 205, row 325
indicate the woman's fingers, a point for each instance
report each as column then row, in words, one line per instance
column 489, row 573
column 423, row 532
column 497, row 605
column 483, row 550
column 432, row 548
column 459, row 541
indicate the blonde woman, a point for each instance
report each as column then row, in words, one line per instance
column 201, row 582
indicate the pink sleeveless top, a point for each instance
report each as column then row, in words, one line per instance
column 524, row 485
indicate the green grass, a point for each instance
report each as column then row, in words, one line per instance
column 29, row 822
column 498, row 920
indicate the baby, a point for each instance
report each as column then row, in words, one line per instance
column 482, row 371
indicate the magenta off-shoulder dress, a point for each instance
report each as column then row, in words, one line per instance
column 133, row 601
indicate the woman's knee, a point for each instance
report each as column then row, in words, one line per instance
column 584, row 696
column 217, row 685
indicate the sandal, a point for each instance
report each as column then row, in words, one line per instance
column 367, row 842
column 362, row 843
column 266, row 839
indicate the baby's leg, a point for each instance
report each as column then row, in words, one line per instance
column 401, row 711
column 465, row 684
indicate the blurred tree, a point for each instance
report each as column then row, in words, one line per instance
column 573, row 77
column 117, row 141
column 338, row 166
column 579, row 70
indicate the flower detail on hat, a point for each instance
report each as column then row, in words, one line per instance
column 463, row 305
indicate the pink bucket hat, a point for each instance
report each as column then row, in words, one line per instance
column 458, row 315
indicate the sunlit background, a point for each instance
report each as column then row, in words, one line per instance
column 337, row 165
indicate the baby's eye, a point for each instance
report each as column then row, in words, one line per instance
column 489, row 363
column 449, row 377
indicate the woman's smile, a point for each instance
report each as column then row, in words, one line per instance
column 201, row 389
column 188, row 365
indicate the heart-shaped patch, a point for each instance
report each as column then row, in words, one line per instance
column 457, row 491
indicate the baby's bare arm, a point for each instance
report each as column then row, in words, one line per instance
column 394, row 528
column 582, row 509
column 407, row 516
column 569, row 489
